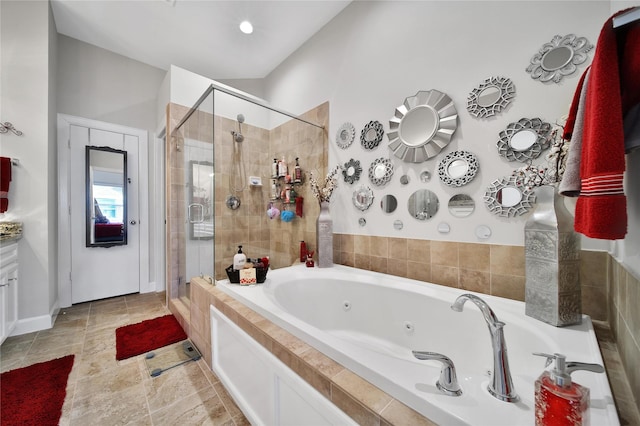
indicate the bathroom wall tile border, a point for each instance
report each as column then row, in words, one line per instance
column 359, row 399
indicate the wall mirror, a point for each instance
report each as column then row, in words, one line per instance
column 483, row 232
column 351, row 171
column 106, row 196
column 380, row 171
column 389, row 203
column 371, row 135
column 423, row 204
column 345, row 135
column 505, row 198
column 404, row 179
column 490, row 97
column 201, row 197
column 524, row 140
column 458, row 168
column 461, row 205
column 559, row 57
column 422, row 126
column 397, row 224
column 362, row 197
column 425, row 176
column 444, row 228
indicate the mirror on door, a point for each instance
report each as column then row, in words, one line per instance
column 106, row 196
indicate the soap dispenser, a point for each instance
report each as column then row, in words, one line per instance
column 559, row 401
column 239, row 259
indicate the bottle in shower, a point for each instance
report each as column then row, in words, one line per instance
column 297, row 172
column 274, row 168
column 283, row 167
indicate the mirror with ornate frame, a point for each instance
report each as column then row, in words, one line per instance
column 461, row 205
column 201, row 198
column 505, row 198
column 371, row 135
column 389, row 203
column 422, row 126
column 351, row 171
column 362, row 197
column 345, row 135
column 106, row 196
column 524, row 140
column 559, row 57
column 490, row 97
column 380, row 171
column 423, row 204
column 458, row 168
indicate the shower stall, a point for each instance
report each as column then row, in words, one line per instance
column 220, row 185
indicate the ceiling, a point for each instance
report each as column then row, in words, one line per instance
column 199, row 35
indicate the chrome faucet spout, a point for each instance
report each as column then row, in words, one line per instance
column 501, row 386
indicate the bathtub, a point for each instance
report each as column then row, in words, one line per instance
column 370, row 322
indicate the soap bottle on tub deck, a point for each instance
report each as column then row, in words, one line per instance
column 559, row 401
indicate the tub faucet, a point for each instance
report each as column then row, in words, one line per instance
column 448, row 382
column 501, row 386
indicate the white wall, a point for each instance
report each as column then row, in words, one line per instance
column 375, row 54
column 26, row 92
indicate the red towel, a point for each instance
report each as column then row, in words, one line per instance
column 601, row 210
column 5, row 179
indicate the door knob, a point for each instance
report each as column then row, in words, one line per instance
column 133, row 222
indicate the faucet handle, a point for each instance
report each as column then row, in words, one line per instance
column 448, row 382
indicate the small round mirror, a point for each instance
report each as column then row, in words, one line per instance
column 419, row 125
column 362, row 197
column 523, row 140
column 425, row 176
column 457, row 168
column 404, row 179
column 379, row 171
column 397, row 224
column 351, row 171
column 488, row 96
column 444, row 228
column 509, row 196
column 344, row 135
column 370, row 136
column 557, row 58
column 483, row 232
column 423, row 204
column 461, row 205
column 362, row 221
column 389, row 203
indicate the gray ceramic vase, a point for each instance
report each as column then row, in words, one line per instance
column 324, row 236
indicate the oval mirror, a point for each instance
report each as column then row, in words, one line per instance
column 458, row 168
column 371, row 135
column 557, row 58
column 422, row 126
column 488, row 96
column 523, row 140
column 389, row 203
column 461, row 205
column 423, row 204
column 509, row 196
column 397, row 224
column 106, row 196
column 404, row 179
column 425, row 176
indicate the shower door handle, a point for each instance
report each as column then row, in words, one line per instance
column 194, row 208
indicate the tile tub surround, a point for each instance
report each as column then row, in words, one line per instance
column 359, row 399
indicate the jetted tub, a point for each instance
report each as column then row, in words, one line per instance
column 370, row 322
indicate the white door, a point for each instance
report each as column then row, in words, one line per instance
column 101, row 272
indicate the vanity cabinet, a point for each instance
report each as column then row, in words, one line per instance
column 8, row 289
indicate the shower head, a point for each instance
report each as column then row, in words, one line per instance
column 240, row 118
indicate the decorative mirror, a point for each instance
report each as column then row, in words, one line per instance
column 444, row 228
column 371, row 135
column 106, row 196
column 483, row 232
column 524, row 140
column 422, row 126
column 425, row 176
column 351, row 171
column 397, row 224
column 423, row 204
column 490, row 97
column 362, row 221
column 461, row 205
column 559, row 57
column 380, row 171
column 200, row 210
column 345, row 135
column 404, row 179
column 505, row 198
column 363, row 197
column 458, row 168
column 389, row 203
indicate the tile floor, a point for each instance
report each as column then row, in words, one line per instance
column 103, row 391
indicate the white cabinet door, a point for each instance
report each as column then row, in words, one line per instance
column 8, row 299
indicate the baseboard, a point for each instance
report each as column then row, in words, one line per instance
column 29, row 325
column 148, row 288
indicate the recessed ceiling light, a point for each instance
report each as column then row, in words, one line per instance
column 246, row 27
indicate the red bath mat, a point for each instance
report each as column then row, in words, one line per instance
column 136, row 339
column 34, row 395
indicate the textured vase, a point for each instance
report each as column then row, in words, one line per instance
column 552, row 262
column 324, row 236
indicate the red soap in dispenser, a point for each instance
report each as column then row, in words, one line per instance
column 559, row 401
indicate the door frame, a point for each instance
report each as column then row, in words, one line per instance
column 64, row 202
